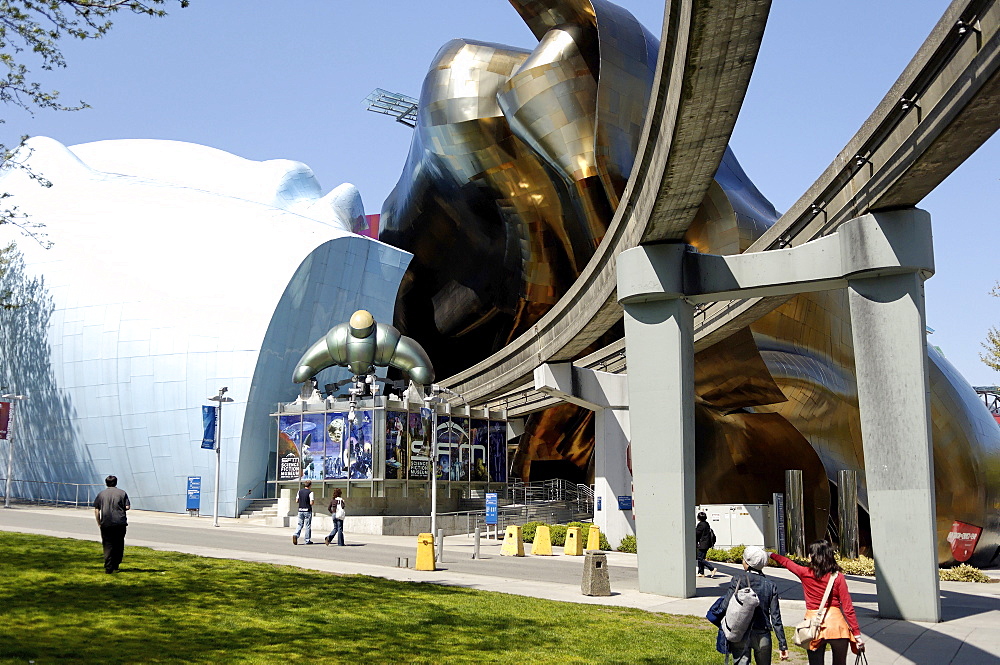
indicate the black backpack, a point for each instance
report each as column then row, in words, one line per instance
column 711, row 538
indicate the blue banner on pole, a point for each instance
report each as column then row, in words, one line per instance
column 208, row 416
column 194, row 493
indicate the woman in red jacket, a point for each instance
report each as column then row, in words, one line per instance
column 840, row 626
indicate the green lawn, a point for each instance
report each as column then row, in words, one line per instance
column 56, row 603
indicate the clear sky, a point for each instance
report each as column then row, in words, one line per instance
column 268, row 80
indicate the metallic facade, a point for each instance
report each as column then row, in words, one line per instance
column 518, row 162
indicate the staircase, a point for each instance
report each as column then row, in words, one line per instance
column 259, row 510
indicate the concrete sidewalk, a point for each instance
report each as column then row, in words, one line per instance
column 970, row 633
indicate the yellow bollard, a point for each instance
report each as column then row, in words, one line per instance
column 543, row 542
column 512, row 543
column 574, row 544
column 425, row 552
column 594, row 538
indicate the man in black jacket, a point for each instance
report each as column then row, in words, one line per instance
column 766, row 616
column 704, row 539
column 305, row 499
column 109, row 509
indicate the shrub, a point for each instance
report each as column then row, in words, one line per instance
column 558, row 532
column 861, row 566
column 964, row 573
column 628, row 545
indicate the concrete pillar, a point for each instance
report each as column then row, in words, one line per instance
column 612, row 478
column 887, row 320
column 659, row 341
column 606, row 395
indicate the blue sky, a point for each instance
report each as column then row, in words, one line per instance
column 265, row 84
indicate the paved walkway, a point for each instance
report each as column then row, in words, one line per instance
column 969, row 634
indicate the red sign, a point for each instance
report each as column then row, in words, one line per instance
column 963, row 538
column 4, row 418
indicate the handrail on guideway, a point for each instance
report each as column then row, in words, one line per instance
column 939, row 111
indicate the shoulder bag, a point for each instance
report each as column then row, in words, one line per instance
column 808, row 630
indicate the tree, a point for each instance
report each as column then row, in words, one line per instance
column 992, row 343
column 33, row 29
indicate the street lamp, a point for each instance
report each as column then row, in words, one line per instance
column 10, row 445
column 221, row 399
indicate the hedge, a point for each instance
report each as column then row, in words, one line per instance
column 863, row 565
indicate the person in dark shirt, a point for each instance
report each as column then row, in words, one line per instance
column 766, row 616
column 704, row 539
column 109, row 509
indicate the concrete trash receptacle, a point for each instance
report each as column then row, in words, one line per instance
column 595, row 574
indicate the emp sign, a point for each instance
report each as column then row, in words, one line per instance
column 963, row 538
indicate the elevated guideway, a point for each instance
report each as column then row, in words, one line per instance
column 940, row 110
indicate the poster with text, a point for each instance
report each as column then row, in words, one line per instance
column 395, row 445
column 313, row 445
column 498, row 451
column 336, row 428
column 416, row 433
column 360, row 445
column 461, row 450
column 289, row 462
column 479, row 437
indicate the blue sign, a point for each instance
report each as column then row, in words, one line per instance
column 599, row 502
column 779, row 519
column 624, row 503
column 208, row 419
column 194, row 493
column 491, row 507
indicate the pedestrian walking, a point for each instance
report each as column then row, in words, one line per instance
column 822, row 579
column 110, row 505
column 766, row 616
column 338, row 511
column 704, row 539
column 305, row 498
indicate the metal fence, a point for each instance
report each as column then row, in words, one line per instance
column 43, row 492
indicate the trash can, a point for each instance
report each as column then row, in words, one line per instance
column 595, row 574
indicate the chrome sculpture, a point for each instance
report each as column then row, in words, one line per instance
column 518, row 161
column 361, row 345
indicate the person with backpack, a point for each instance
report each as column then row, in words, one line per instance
column 704, row 539
column 337, row 512
column 751, row 615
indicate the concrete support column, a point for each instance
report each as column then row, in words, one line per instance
column 659, row 339
column 607, row 396
column 887, row 319
column 611, row 475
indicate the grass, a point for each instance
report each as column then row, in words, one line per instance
column 57, row 604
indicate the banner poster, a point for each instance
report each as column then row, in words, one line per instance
column 289, row 463
column 479, row 438
column 360, row 446
column 395, row 445
column 313, row 445
column 461, row 450
column 336, row 461
column 416, row 434
column 208, row 419
column 4, row 419
column 498, row 451
column 443, row 447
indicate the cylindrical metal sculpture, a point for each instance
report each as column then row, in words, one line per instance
column 847, row 495
column 796, row 509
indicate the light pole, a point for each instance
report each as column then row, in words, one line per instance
column 221, row 399
column 10, row 445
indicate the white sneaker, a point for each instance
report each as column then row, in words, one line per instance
column 711, row 574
